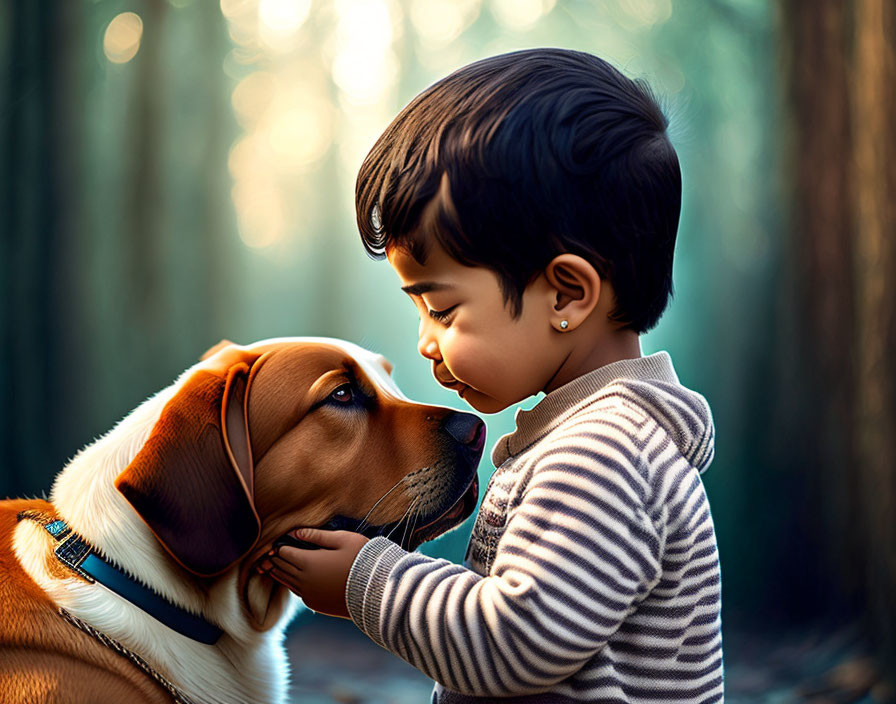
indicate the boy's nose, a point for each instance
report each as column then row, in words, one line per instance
column 428, row 347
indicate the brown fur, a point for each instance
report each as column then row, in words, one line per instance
column 45, row 659
column 236, row 451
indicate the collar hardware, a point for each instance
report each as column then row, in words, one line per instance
column 72, row 552
column 78, row 555
column 72, row 549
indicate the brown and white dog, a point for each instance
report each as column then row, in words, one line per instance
column 187, row 494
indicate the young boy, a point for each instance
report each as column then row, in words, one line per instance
column 529, row 204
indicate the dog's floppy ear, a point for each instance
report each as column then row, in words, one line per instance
column 191, row 482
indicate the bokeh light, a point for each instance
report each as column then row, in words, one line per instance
column 122, row 38
column 439, row 22
column 520, row 14
column 364, row 64
column 298, row 130
column 279, row 20
column 283, row 16
column 252, row 97
column 636, row 15
column 293, row 104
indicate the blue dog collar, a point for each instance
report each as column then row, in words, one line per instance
column 77, row 554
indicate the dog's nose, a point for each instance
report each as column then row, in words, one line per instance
column 466, row 428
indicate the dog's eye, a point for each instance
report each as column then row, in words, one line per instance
column 343, row 394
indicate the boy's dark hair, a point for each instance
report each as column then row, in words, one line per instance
column 517, row 158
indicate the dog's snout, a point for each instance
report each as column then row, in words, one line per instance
column 466, row 428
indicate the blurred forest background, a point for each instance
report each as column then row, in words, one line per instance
column 177, row 171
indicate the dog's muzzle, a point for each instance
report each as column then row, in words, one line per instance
column 468, row 435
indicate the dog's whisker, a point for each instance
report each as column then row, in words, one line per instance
column 413, row 521
column 411, row 524
column 363, row 523
column 406, row 514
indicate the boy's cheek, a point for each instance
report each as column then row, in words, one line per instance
column 488, row 368
column 469, row 360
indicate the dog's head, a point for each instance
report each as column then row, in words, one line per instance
column 298, row 431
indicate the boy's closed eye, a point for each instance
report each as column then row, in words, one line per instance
column 418, row 293
column 442, row 316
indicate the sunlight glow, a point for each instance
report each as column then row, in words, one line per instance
column 364, row 65
column 283, row 16
column 364, row 77
column 280, row 20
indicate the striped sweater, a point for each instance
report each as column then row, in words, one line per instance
column 592, row 572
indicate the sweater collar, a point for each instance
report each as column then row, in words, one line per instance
column 566, row 400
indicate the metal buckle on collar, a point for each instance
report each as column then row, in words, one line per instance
column 72, row 553
column 72, row 549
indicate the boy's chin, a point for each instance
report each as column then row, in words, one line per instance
column 482, row 403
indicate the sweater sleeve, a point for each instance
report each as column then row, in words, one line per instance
column 577, row 556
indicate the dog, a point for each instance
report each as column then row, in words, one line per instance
column 179, row 502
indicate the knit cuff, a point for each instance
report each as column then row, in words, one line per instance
column 367, row 583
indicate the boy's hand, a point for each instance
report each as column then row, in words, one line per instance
column 318, row 576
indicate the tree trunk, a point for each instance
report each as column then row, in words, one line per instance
column 34, row 276
column 873, row 170
column 839, row 65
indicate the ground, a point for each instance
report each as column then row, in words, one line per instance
column 334, row 663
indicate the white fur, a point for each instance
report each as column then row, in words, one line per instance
column 245, row 666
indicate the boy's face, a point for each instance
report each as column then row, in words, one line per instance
column 475, row 346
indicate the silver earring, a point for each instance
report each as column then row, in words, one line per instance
column 564, row 324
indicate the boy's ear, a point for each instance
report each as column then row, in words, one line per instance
column 577, row 285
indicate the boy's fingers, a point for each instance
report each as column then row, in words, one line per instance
column 299, row 558
column 324, row 538
column 285, row 566
column 286, row 580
